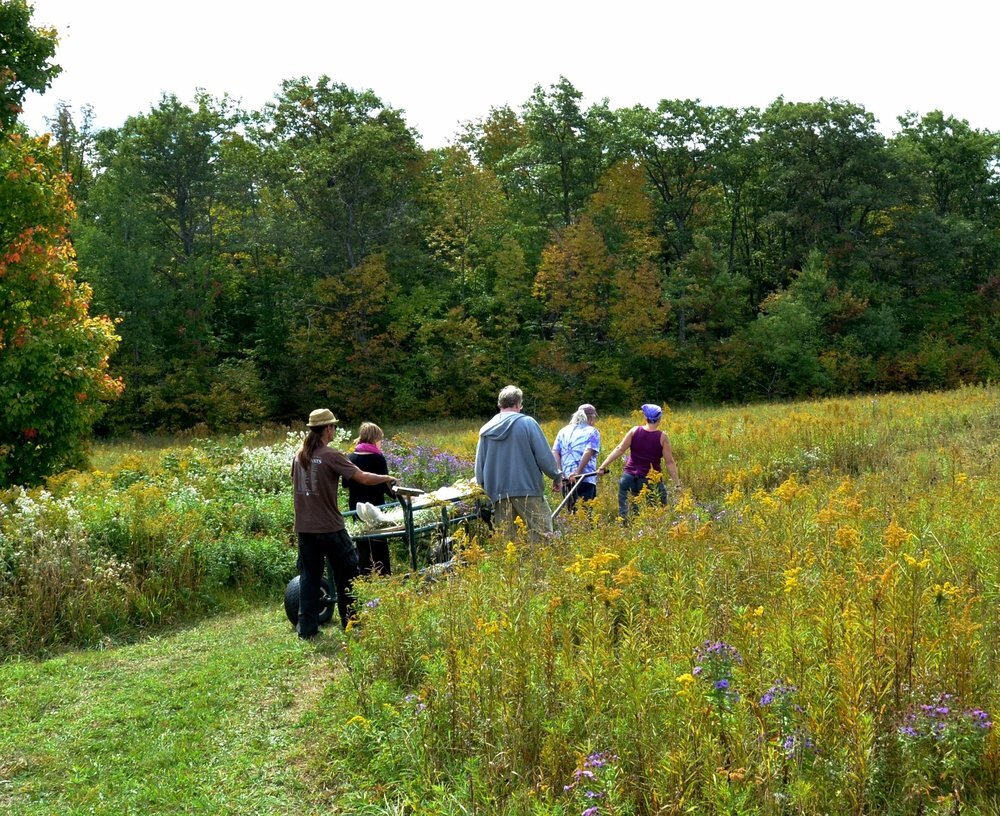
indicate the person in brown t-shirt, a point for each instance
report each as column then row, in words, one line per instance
column 316, row 473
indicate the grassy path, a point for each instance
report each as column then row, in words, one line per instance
column 207, row 719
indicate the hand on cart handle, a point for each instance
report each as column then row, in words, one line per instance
column 399, row 490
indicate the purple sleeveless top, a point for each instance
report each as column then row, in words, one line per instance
column 644, row 453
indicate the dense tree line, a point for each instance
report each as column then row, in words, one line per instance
column 311, row 252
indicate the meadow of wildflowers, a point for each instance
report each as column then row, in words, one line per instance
column 812, row 626
column 160, row 534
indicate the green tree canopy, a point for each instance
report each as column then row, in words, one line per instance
column 26, row 54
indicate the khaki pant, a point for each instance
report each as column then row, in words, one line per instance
column 532, row 510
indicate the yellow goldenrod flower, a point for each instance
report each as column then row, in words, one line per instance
column 852, row 505
column 913, row 562
column 627, row 574
column 945, row 592
column 895, row 536
column 847, row 537
column 600, row 560
column 788, row 489
column 827, row 516
column 608, row 594
column 471, row 551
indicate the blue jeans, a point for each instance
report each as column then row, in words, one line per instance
column 629, row 487
column 314, row 549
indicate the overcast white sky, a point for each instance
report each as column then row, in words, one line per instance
column 445, row 62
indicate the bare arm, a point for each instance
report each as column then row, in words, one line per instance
column 366, row 478
column 668, row 460
column 623, row 446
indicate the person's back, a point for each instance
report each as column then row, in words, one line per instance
column 511, row 456
column 372, row 462
column 645, row 452
column 508, row 456
column 575, row 449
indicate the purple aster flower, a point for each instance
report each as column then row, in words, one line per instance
column 591, row 811
column 980, row 718
column 599, row 759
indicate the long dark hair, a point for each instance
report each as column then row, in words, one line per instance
column 312, row 443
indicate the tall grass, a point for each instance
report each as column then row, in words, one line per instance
column 812, row 628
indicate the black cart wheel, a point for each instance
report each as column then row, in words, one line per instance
column 327, row 601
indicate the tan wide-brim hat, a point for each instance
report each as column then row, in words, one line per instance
column 321, row 417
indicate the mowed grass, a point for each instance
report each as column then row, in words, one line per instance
column 208, row 719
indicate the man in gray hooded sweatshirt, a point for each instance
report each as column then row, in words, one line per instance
column 511, row 456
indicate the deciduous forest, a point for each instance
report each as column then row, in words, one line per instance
column 311, row 253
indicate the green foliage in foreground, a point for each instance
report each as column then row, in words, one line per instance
column 104, row 554
column 814, row 628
